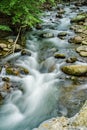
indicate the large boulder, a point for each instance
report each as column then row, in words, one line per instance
column 78, row 122
column 76, row 70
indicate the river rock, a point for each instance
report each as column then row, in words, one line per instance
column 83, row 53
column 81, row 48
column 16, row 71
column 78, row 18
column 12, row 71
column 3, row 45
column 61, row 11
column 81, row 117
column 62, row 34
column 59, row 16
column 71, row 60
column 18, row 47
column 25, row 52
column 47, row 35
column 78, row 122
column 77, row 39
column 84, row 42
column 10, row 40
column 6, row 79
column 58, row 55
column 76, row 70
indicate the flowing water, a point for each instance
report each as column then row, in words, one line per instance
column 45, row 92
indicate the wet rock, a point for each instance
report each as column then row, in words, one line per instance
column 78, row 122
column 16, row 71
column 38, row 26
column 61, row 11
column 59, row 16
column 12, row 71
column 54, row 124
column 47, row 35
column 81, row 48
column 62, row 34
column 18, row 48
column 76, row 70
column 81, row 117
column 5, row 49
column 71, row 60
column 6, row 87
column 58, row 55
column 7, row 79
column 83, row 53
column 78, row 18
column 2, row 45
column 76, row 40
column 84, row 42
column 25, row 52
column 10, row 40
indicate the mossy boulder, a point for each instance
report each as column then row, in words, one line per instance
column 79, row 18
column 76, row 70
column 16, row 71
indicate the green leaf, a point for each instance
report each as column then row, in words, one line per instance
column 5, row 28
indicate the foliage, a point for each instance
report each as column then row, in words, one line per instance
column 23, row 12
column 4, row 27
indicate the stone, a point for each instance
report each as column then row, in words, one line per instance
column 83, row 53
column 38, row 26
column 77, row 39
column 7, row 79
column 84, row 42
column 58, row 55
column 75, row 70
column 81, row 117
column 18, row 47
column 47, row 35
column 5, row 49
column 71, row 60
column 6, row 86
column 62, row 34
column 78, row 122
column 25, row 52
column 78, row 18
column 10, row 40
column 81, row 48
column 59, row 16
column 12, row 71
column 2, row 45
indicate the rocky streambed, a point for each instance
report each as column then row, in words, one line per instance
column 49, row 77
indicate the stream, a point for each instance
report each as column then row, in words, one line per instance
column 46, row 91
